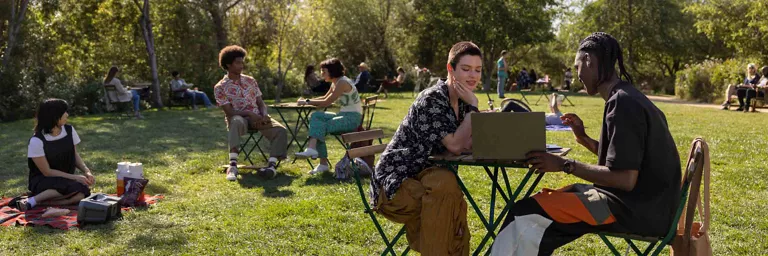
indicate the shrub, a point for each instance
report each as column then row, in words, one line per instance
column 708, row 80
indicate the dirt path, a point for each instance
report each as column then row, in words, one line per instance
column 673, row 100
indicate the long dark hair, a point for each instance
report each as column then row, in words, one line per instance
column 607, row 50
column 111, row 74
column 48, row 114
column 310, row 69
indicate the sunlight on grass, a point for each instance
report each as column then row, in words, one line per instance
column 296, row 214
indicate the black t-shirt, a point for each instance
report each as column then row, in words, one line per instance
column 635, row 136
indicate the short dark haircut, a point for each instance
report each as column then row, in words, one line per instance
column 174, row 73
column 503, row 52
column 48, row 114
column 334, row 67
column 462, row 49
column 764, row 70
column 229, row 54
column 607, row 50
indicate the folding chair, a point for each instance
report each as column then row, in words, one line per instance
column 691, row 176
column 522, row 95
column 350, row 138
column 122, row 109
column 248, row 152
column 244, row 150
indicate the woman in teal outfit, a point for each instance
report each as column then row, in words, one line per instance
column 501, row 64
column 321, row 124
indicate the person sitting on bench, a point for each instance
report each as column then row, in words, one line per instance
column 406, row 187
column 752, row 78
column 636, row 180
column 182, row 89
column 240, row 98
column 321, row 123
column 753, row 91
column 52, row 158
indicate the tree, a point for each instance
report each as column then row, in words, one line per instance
column 217, row 9
column 739, row 24
column 146, row 30
column 656, row 48
column 286, row 27
column 493, row 25
column 18, row 12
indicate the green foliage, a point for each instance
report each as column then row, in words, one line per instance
column 708, row 80
column 657, row 37
column 738, row 24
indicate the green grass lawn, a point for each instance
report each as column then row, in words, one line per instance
column 295, row 214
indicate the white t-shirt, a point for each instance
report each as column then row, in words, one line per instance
column 35, row 148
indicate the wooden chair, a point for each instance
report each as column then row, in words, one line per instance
column 372, row 150
column 691, row 178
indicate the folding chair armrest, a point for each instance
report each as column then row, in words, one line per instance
column 353, row 137
column 366, row 151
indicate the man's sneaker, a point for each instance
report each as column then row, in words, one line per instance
column 320, row 168
column 232, row 173
column 308, row 153
column 268, row 172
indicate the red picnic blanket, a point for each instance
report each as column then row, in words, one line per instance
column 11, row 216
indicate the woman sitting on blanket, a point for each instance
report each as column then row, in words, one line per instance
column 323, row 123
column 52, row 159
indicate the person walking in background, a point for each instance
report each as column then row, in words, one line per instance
column 501, row 73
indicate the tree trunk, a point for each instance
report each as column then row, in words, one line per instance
column 218, row 19
column 280, row 82
column 149, row 40
column 387, row 52
column 14, row 25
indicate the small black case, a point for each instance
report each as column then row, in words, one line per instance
column 98, row 208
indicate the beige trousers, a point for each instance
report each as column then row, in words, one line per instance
column 434, row 212
column 272, row 130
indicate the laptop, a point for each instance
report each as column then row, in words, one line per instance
column 507, row 135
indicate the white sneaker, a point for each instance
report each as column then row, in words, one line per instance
column 308, row 153
column 320, row 168
column 232, row 173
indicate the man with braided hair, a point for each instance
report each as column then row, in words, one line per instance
column 636, row 182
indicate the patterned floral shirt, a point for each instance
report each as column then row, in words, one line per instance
column 420, row 135
column 243, row 94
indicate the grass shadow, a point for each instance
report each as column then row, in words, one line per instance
column 323, row 179
column 272, row 187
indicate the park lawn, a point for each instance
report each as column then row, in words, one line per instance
column 296, row 214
